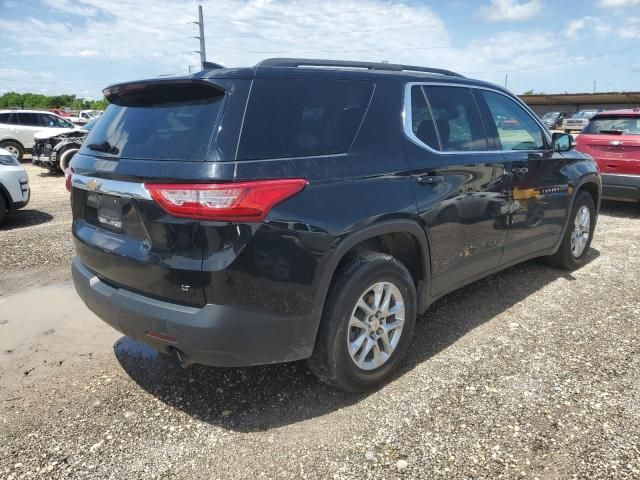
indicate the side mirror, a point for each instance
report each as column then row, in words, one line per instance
column 562, row 142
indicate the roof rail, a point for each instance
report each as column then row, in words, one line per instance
column 394, row 67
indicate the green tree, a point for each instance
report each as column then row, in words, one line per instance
column 38, row 101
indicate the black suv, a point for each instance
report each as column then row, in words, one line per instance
column 311, row 209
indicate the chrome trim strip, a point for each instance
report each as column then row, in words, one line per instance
column 624, row 175
column 408, row 130
column 110, row 187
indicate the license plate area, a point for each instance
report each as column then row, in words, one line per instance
column 110, row 210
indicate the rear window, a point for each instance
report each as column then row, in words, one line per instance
column 614, row 125
column 158, row 122
column 302, row 117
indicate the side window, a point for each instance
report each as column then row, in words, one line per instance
column 28, row 119
column 422, row 124
column 4, row 118
column 457, row 119
column 296, row 118
column 516, row 129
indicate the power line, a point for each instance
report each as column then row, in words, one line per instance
column 564, row 62
column 346, row 12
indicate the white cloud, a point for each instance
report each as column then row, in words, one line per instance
column 151, row 37
column 75, row 8
column 507, row 10
column 631, row 28
column 618, row 3
column 588, row 24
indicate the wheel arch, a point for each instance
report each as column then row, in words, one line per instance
column 13, row 140
column 367, row 238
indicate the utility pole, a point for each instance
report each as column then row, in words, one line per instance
column 594, row 86
column 202, row 51
column 506, row 78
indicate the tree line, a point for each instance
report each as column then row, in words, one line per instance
column 38, row 101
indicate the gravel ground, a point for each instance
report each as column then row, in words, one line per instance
column 35, row 242
column 533, row 372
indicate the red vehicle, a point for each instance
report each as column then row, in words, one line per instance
column 613, row 140
column 57, row 111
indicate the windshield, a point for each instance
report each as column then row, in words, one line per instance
column 159, row 122
column 614, row 126
column 585, row 114
column 550, row 115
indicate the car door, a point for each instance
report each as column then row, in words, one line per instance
column 29, row 124
column 458, row 183
column 539, row 187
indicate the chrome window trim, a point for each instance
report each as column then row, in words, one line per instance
column 408, row 127
column 110, row 187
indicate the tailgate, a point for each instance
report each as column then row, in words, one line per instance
column 613, row 153
column 156, row 132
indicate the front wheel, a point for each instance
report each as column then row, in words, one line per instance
column 577, row 238
column 367, row 323
column 14, row 148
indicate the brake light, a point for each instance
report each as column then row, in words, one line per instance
column 229, row 202
column 67, row 178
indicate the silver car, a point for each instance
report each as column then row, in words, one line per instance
column 17, row 128
column 578, row 121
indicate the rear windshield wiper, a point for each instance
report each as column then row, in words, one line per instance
column 105, row 147
column 611, row 132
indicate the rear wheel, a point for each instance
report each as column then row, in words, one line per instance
column 367, row 323
column 14, row 148
column 577, row 239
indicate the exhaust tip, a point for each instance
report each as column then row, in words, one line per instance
column 182, row 358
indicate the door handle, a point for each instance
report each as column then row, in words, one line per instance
column 520, row 170
column 430, row 179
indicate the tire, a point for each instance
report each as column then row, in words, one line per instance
column 4, row 208
column 568, row 257
column 13, row 147
column 66, row 155
column 331, row 360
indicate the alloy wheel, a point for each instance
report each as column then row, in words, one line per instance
column 375, row 325
column 580, row 233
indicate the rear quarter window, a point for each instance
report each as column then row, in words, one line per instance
column 302, row 117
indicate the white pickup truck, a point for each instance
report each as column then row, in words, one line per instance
column 85, row 116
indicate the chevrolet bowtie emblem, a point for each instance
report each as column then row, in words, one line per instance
column 93, row 184
column 615, row 142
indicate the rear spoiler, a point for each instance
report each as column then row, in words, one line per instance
column 166, row 89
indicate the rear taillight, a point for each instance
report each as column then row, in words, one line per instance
column 67, row 178
column 227, row 202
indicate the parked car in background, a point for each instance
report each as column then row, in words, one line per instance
column 54, row 149
column 613, row 139
column 578, row 121
column 17, row 128
column 14, row 184
column 59, row 112
column 553, row 120
column 85, row 116
column 187, row 193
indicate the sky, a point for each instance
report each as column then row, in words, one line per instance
column 552, row 46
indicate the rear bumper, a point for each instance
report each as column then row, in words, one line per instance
column 621, row 187
column 216, row 335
